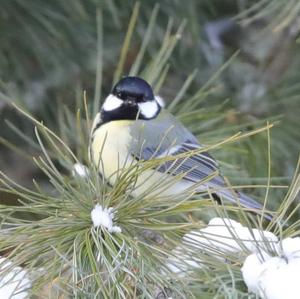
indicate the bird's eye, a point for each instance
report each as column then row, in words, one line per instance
column 119, row 95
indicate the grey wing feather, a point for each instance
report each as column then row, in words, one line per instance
column 194, row 168
column 198, row 167
column 243, row 199
column 165, row 136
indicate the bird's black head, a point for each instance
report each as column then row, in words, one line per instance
column 133, row 89
column 131, row 98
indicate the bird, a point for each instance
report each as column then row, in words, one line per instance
column 133, row 126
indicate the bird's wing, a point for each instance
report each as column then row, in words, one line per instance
column 165, row 136
column 189, row 161
column 161, row 138
column 199, row 166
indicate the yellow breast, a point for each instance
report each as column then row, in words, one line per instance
column 109, row 151
column 109, row 148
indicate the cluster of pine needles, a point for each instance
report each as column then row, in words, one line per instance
column 50, row 233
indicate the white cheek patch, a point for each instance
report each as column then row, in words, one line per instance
column 149, row 109
column 160, row 101
column 111, row 103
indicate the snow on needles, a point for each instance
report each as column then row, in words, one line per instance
column 80, row 170
column 269, row 276
column 221, row 237
column 275, row 277
column 14, row 281
column 104, row 217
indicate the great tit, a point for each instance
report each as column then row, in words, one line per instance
column 133, row 126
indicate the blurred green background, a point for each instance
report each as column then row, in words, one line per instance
column 50, row 52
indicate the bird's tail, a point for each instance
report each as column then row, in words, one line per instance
column 245, row 201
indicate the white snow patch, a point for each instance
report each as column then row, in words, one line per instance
column 227, row 235
column 104, row 217
column 275, row 277
column 15, row 283
column 271, row 271
column 220, row 238
column 80, row 170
